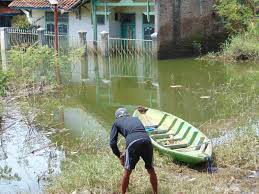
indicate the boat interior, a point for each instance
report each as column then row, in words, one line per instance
column 174, row 133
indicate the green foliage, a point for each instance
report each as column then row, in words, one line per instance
column 197, row 46
column 20, row 21
column 236, row 14
column 37, row 64
column 242, row 47
column 3, row 82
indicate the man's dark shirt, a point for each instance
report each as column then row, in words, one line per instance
column 129, row 127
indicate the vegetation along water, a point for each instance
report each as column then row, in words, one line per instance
column 66, row 129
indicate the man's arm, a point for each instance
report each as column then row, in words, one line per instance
column 114, row 140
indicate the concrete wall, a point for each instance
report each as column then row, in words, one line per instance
column 183, row 22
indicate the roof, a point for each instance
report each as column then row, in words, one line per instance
column 43, row 4
column 8, row 11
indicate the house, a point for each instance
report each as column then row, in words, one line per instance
column 122, row 19
column 183, row 27
column 6, row 13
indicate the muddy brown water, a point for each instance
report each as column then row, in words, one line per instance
column 95, row 87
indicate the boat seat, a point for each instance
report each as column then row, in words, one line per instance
column 176, row 138
column 161, row 136
column 182, row 145
column 175, row 146
column 200, row 143
column 168, row 139
column 162, row 131
column 161, row 121
column 154, row 127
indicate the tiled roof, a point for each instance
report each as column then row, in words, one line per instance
column 7, row 10
column 43, row 4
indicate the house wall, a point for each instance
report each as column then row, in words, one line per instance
column 115, row 26
column 74, row 24
column 183, row 22
column 38, row 18
column 84, row 24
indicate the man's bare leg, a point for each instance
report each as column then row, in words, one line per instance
column 125, row 181
column 153, row 179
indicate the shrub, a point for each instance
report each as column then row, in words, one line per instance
column 20, row 21
column 236, row 14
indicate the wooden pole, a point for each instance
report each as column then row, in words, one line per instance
column 56, row 28
column 94, row 23
column 56, row 45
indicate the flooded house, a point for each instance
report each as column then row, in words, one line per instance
column 180, row 27
column 122, row 19
column 6, row 13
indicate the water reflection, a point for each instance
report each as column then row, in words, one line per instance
column 131, row 81
column 28, row 154
column 82, row 122
column 128, row 81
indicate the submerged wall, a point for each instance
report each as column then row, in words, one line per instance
column 187, row 27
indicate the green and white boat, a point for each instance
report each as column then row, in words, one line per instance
column 175, row 137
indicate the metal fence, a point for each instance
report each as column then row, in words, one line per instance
column 122, row 46
column 116, row 46
column 19, row 37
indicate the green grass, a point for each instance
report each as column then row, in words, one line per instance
column 240, row 47
column 100, row 172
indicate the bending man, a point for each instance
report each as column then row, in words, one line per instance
column 138, row 144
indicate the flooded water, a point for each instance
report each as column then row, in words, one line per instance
column 27, row 156
column 188, row 88
column 94, row 87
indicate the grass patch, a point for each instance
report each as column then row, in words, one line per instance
column 100, row 172
column 240, row 153
column 240, row 47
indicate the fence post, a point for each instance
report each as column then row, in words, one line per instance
column 154, row 43
column 104, row 43
column 4, row 39
column 82, row 40
column 41, row 36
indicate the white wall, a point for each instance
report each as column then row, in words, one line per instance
column 38, row 18
column 114, row 26
column 84, row 24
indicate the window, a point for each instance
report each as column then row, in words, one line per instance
column 5, row 21
column 148, row 27
column 100, row 19
column 62, row 22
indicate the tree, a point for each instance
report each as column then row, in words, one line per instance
column 20, row 21
column 237, row 15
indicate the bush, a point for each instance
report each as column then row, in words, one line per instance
column 242, row 47
column 236, row 14
column 3, row 82
column 20, row 21
column 37, row 64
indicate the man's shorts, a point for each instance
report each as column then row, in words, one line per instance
column 139, row 148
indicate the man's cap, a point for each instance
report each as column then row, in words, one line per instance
column 121, row 112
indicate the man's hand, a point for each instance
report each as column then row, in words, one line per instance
column 122, row 157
